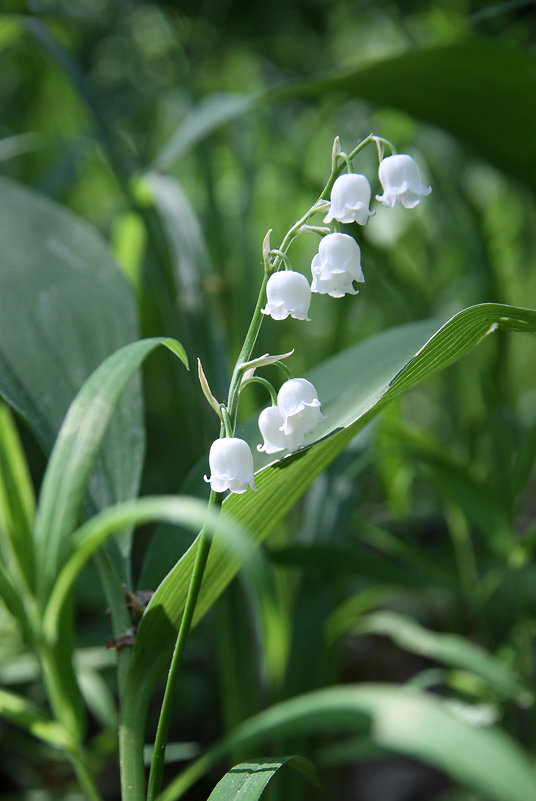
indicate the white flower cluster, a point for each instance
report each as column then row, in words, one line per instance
column 297, row 413
column 337, row 265
column 283, row 427
column 335, row 269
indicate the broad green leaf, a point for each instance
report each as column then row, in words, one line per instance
column 24, row 714
column 443, row 85
column 440, row 85
column 65, row 481
column 353, row 387
column 17, row 502
column 401, row 720
column 65, row 307
column 247, row 781
column 449, row 649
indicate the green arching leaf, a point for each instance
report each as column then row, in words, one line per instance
column 449, row 649
column 58, row 276
column 353, row 387
column 17, row 501
column 181, row 511
column 24, row 714
column 400, row 720
column 65, row 481
column 441, row 85
column 248, row 780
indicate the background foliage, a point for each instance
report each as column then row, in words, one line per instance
column 165, row 140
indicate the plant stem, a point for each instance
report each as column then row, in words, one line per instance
column 159, row 753
column 245, row 353
column 84, row 778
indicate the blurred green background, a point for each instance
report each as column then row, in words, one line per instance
column 184, row 131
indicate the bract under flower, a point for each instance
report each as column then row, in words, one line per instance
column 400, row 179
column 231, row 465
column 287, row 292
column 336, row 266
column 350, row 199
column 299, row 407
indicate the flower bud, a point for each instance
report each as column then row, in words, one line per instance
column 399, row 176
column 336, row 266
column 287, row 292
column 298, row 404
column 231, row 465
column 350, row 200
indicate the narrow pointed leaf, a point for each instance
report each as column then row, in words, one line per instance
column 65, row 481
column 17, row 501
column 247, row 781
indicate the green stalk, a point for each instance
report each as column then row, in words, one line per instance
column 84, row 777
column 159, row 753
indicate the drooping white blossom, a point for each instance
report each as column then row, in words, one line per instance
column 350, row 200
column 400, row 179
column 231, row 465
column 270, row 425
column 298, row 404
column 336, row 266
column 287, row 293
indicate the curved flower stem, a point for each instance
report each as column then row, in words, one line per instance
column 283, row 256
column 245, row 353
column 256, row 379
column 159, row 753
column 286, row 370
column 226, row 420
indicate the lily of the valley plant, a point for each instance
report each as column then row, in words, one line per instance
column 295, row 413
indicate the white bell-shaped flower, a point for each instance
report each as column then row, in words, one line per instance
column 350, row 200
column 271, row 425
column 287, row 292
column 231, row 465
column 336, row 266
column 400, row 179
column 299, row 407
